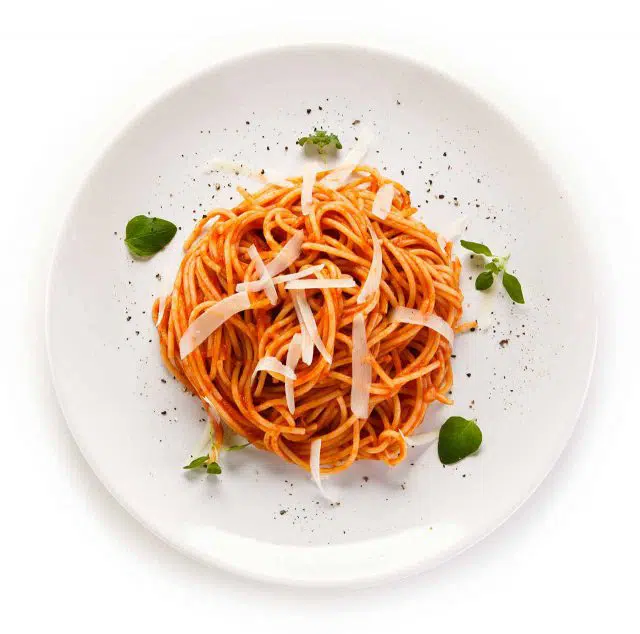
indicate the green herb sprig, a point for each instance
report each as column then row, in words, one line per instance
column 458, row 438
column 146, row 236
column 237, row 447
column 203, row 461
column 493, row 268
column 324, row 142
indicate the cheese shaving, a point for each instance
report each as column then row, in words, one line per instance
column 383, row 201
column 372, row 283
column 288, row 254
column 289, row 277
column 360, row 369
column 211, row 409
column 314, row 466
column 306, row 344
column 271, row 364
column 279, row 279
column 285, row 258
column 293, row 356
column 417, row 440
column 261, row 269
column 211, row 319
column 306, row 314
column 413, row 316
column 339, row 176
column 162, row 304
column 343, row 282
column 451, row 233
column 455, row 229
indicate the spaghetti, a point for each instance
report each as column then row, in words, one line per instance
column 410, row 363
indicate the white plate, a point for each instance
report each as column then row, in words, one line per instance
column 525, row 394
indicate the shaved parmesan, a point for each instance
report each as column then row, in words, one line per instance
column 271, row 364
column 306, row 194
column 293, row 356
column 211, row 409
column 455, row 229
column 418, row 440
column 162, row 304
column 241, row 169
column 261, row 269
column 279, row 279
column 339, row 176
column 451, row 233
column 285, row 258
column 372, row 283
column 343, row 282
column 307, row 342
column 288, row 254
column 253, row 287
column 288, row 277
column 360, row 369
column 314, row 466
column 412, row 316
column 304, row 311
column 211, row 319
column 383, row 201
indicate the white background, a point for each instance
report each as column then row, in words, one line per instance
column 73, row 73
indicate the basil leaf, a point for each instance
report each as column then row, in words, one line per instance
column 512, row 286
column 476, row 247
column 197, row 462
column 493, row 266
column 214, row 467
column 237, row 447
column 145, row 236
column 484, row 280
column 458, row 438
